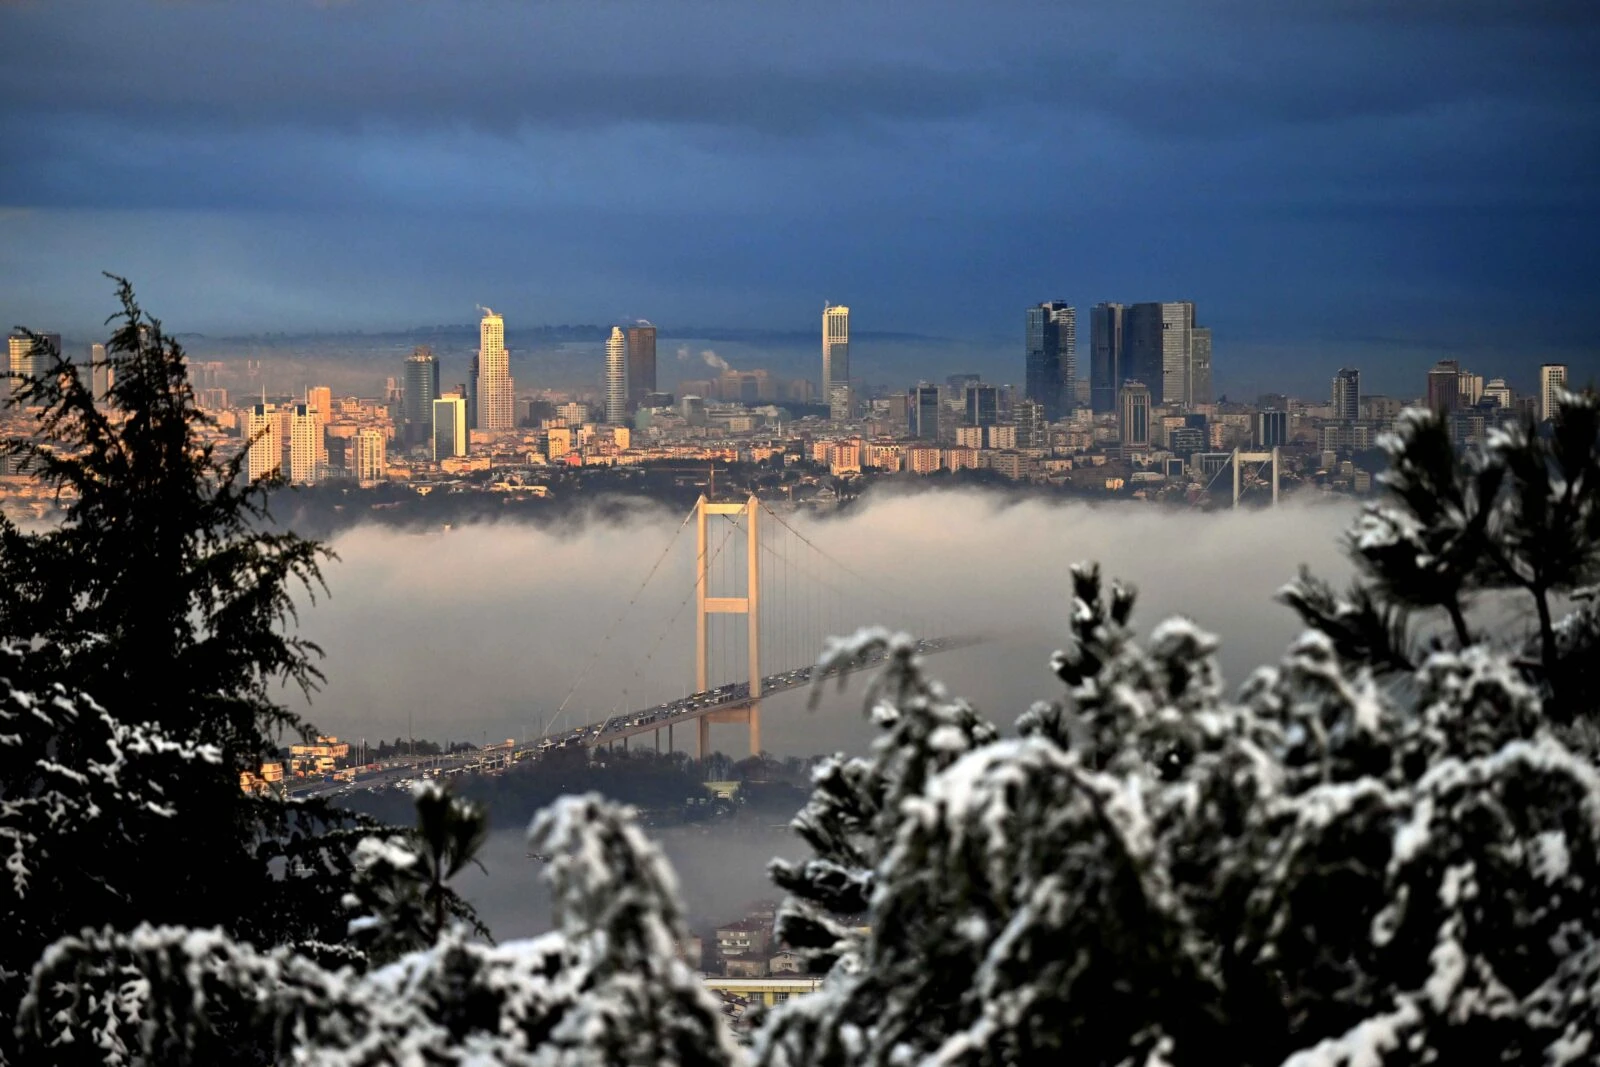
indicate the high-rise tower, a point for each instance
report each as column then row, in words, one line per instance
column 1160, row 350
column 641, row 363
column 496, row 410
column 1052, row 357
column 422, row 389
column 1106, row 360
column 1552, row 380
column 836, row 361
column 1444, row 386
column 28, row 362
column 266, row 442
column 617, row 377
column 1346, row 395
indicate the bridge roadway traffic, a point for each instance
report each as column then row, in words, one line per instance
column 617, row 728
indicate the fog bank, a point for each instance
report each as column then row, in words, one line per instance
column 483, row 631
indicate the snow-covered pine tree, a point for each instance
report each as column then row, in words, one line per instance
column 163, row 597
column 1521, row 512
column 605, row 988
column 1153, row 873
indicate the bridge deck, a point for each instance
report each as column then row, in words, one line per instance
column 699, row 705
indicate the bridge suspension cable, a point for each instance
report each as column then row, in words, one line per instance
column 611, row 631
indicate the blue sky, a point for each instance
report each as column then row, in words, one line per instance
column 1356, row 181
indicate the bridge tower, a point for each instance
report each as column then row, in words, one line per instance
column 1255, row 457
column 748, row 605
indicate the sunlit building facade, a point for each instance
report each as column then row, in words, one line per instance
column 496, row 391
column 836, row 361
column 617, row 377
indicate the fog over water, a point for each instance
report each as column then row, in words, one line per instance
column 483, row 631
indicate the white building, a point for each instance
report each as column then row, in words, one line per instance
column 836, row 361
column 496, row 399
column 1552, row 382
column 305, row 444
column 371, row 454
column 449, row 427
column 266, row 442
column 617, row 377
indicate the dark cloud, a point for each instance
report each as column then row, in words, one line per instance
column 1310, row 172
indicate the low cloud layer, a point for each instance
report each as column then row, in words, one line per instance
column 483, row 632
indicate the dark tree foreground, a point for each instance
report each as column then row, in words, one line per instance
column 144, row 638
column 1384, row 850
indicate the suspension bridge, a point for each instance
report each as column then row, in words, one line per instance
column 765, row 597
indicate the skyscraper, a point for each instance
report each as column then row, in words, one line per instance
column 28, row 362
column 422, row 389
column 1052, row 357
column 1159, row 339
column 982, row 404
column 449, row 427
column 1552, row 381
column 836, row 361
column 1200, row 390
column 266, row 442
column 617, row 377
column 496, row 407
column 1105, row 355
column 641, row 363
column 1444, row 386
column 1134, row 421
column 1347, row 394
column 923, row 408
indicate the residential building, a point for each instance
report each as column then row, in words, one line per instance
column 1444, row 386
column 922, row 459
column 305, row 444
column 836, row 361
column 266, row 442
column 982, row 404
column 1347, row 394
column 617, row 377
column 421, row 390
column 1134, row 421
column 1000, row 436
column 1105, row 356
column 371, row 455
column 1051, row 357
column 450, row 433
column 1031, row 424
column 496, row 391
column 1552, row 382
